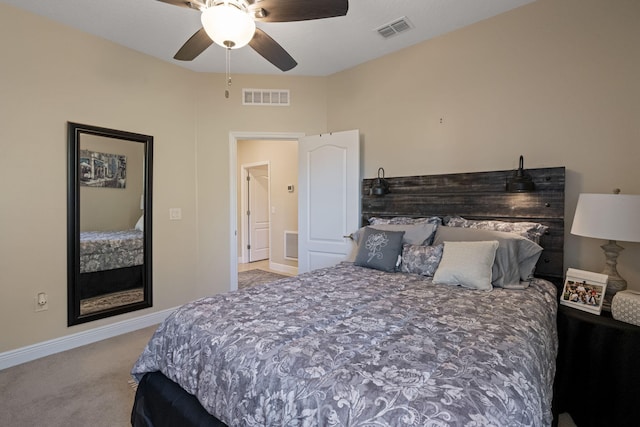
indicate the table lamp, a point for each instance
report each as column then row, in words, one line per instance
column 610, row 217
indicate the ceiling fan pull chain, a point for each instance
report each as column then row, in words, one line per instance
column 226, row 92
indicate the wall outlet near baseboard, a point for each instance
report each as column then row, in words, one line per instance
column 42, row 302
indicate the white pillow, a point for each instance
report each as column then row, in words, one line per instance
column 140, row 224
column 467, row 264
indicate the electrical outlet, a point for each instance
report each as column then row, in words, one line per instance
column 42, row 302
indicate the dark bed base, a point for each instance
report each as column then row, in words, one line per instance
column 160, row 402
column 108, row 281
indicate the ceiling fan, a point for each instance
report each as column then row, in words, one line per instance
column 231, row 24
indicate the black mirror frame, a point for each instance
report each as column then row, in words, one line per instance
column 74, row 131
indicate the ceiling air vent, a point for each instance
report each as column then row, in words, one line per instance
column 396, row 27
column 278, row 97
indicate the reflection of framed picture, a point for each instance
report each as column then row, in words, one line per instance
column 102, row 169
column 584, row 290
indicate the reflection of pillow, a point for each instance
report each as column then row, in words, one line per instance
column 379, row 249
column 422, row 260
column 516, row 256
column 467, row 264
column 531, row 230
column 405, row 220
column 140, row 224
column 414, row 234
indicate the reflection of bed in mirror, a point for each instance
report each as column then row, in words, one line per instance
column 110, row 261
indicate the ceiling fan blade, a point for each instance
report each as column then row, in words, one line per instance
column 297, row 10
column 194, row 46
column 271, row 50
column 193, row 4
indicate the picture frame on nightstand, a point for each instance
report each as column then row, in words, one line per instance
column 584, row 290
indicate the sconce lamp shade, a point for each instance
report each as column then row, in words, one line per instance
column 608, row 216
column 520, row 182
column 228, row 25
column 379, row 186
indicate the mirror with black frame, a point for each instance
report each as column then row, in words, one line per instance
column 109, row 222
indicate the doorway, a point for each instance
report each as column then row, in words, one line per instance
column 278, row 201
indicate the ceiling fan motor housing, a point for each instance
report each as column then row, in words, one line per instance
column 228, row 24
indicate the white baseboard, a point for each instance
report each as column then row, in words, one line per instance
column 46, row 348
column 283, row 268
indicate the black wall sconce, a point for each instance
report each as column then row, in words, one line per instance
column 379, row 186
column 520, row 182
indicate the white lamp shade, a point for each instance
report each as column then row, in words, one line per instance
column 228, row 26
column 608, row 216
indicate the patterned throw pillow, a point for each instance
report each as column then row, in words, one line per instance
column 421, row 260
column 405, row 220
column 379, row 249
column 531, row 230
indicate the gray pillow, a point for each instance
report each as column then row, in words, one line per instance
column 414, row 234
column 515, row 259
column 379, row 249
column 467, row 264
column 421, row 260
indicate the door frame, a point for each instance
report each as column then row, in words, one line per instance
column 234, row 137
column 244, row 206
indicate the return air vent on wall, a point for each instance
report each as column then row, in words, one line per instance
column 391, row 29
column 291, row 245
column 278, row 97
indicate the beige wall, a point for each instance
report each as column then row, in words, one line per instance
column 107, row 209
column 556, row 80
column 283, row 161
column 55, row 74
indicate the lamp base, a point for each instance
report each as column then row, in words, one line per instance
column 615, row 282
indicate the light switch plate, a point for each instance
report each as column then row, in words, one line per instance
column 175, row 214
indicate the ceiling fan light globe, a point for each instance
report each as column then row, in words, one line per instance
column 228, row 26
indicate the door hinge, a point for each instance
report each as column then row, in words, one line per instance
column 248, row 213
column 248, row 246
column 248, row 178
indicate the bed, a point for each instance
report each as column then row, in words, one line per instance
column 357, row 344
column 110, row 261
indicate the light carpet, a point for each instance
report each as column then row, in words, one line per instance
column 86, row 386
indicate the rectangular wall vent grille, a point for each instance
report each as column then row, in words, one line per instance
column 396, row 27
column 291, row 245
column 278, row 97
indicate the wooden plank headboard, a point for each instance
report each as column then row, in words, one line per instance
column 480, row 195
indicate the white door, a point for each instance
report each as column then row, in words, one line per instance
column 258, row 213
column 329, row 198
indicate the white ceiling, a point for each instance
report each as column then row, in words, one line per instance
column 321, row 47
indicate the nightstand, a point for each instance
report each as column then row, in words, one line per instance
column 598, row 369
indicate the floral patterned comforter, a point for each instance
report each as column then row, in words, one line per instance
column 351, row 346
column 107, row 250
